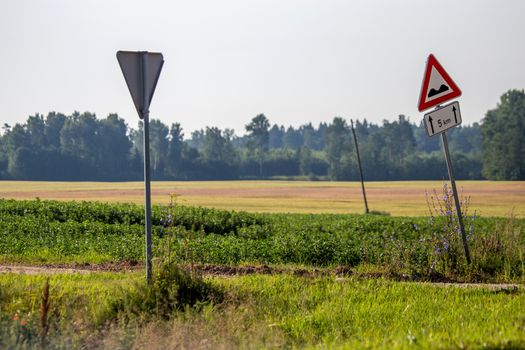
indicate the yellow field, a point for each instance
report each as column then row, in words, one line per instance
column 488, row 198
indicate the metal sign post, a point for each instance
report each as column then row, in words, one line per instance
column 438, row 87
column 455, row 193
column 147, row 185
column 360, row 169
column 141, row 71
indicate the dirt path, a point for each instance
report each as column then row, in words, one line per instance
column 69, row 268
column 341, row 273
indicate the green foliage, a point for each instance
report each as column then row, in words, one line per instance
column 38, row 240
column 82, row 147
column 172, row 289
column 58, row 231
column 501, row 252
column 258, row 130
column 218, row 155
column 279, row 311
column 338, row 146
column 49, row 231
column 374, row 313
column 78, row 306
column 503, row 133
column 258, row 139
column 446, row 239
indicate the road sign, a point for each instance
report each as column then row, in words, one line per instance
column 438, row 86
column 141, row 71
column 443, row 119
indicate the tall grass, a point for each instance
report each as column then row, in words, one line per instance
column 71, row 309
column 257, row 311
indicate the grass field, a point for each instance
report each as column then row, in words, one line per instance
column 281, row 311
column 406, row 198
column 336, row 281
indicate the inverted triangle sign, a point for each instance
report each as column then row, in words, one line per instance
column 438, row 86
column 141, row 71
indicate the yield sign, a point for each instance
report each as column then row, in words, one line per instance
column 438, row 86
column 141, row 70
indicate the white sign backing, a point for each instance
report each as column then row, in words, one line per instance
column 442, row 119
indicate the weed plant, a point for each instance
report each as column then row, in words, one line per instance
column 64, row 311
column 447, row 252
column 172, row 289
column 501, row 253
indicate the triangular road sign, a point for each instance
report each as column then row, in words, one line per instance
column 141, row 71
column 438, row 86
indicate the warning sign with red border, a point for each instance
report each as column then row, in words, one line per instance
column 438, row 86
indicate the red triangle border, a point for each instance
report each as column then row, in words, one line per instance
column 455, row 91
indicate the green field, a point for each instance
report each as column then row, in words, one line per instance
column 314, row 280
column 266, row 312
column 87, row 232
column 406, row 198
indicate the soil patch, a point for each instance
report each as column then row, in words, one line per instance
column 122, row 266
column 342, row 273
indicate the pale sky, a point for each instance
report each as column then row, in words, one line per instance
column 227, row 61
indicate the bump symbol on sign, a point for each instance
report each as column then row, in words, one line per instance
column 434, row 92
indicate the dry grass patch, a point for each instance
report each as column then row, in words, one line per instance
column 405, row 198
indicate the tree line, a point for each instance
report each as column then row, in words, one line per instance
column 82, row 147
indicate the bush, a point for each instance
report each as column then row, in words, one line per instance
column 172, row 289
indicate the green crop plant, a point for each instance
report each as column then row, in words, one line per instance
column 70, row 232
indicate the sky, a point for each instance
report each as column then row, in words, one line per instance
column 230, row 60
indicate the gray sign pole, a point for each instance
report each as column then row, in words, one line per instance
column 147, row 188
column 141, row 71
column 360, row 169
column 455, row 193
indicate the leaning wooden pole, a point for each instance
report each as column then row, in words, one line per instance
column 360, row 168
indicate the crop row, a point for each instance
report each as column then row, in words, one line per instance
column 209, row 220
column 50, row 231
column 279, row 240
column 37, row 239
